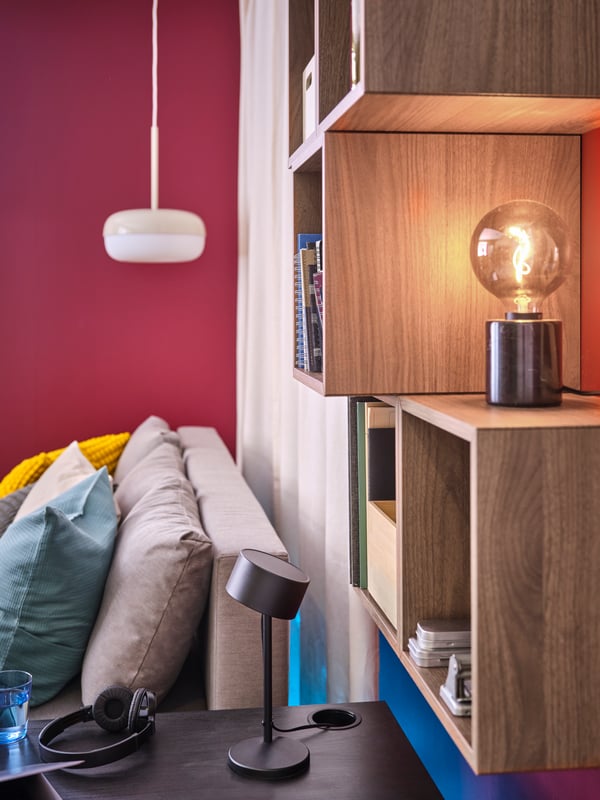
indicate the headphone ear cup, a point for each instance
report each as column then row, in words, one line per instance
column 111, row 708
column 142, row 700
column 133, row 719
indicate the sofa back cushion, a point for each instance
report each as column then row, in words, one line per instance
column 152, row 432
column 159, row 467
column 155, row 593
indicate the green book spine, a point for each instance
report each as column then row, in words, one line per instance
column 361, row 458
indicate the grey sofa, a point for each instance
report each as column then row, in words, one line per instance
column 223, row 666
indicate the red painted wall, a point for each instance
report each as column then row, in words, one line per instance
column 590, row 261
column 90, row 346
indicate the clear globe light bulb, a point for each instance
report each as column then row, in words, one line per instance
column 521, row 252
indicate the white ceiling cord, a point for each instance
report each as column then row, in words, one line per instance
column 154, row 235
column 154, row 128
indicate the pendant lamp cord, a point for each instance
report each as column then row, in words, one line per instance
column 154, row 63
column 154, row 127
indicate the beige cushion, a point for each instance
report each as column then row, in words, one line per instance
column 156, row 469
column 66, row 471
column 148, row 435
column 154, row 596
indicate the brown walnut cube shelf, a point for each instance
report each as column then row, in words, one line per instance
column 498, row 518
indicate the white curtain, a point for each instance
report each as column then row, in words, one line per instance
column 291, row 443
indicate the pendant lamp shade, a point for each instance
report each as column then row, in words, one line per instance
column 154, row 235
column 160, row 235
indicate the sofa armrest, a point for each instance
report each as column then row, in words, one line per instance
column 234, row 519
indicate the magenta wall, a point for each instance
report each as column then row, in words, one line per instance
column 590, row 260
column 89, row 346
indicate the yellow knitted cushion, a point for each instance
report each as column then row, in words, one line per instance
column 101, row 451
column 24, row 473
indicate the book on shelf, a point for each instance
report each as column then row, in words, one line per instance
column 309, row 332
column 362, row 496
column 318, row 284
column 306, row 239
column 371, row 472
column 299, row 312
column 319, row 251
column 358, row 489
column 380, row 533
column 312, row 340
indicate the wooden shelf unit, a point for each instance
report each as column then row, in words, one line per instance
column 458, row 108
column 404, row 311
column 497, row 518
column 411, row 157
column 472, row 67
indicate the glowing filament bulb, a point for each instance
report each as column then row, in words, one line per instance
column 519, row 260
column 522, row 252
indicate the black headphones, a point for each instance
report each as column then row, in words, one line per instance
column 115, row 709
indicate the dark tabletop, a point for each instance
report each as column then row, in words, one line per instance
column 187, row 758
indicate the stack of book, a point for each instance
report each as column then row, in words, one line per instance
column 438, row 639
column 308, row 276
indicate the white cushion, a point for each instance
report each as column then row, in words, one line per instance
column 66, row 471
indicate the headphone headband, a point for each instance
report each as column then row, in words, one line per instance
column 139, row 720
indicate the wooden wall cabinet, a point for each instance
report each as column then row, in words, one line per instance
column 472, row 66
column 498, row 517
column 405, row 161
column 404, row 311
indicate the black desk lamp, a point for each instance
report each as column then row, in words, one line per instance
column 275, row 588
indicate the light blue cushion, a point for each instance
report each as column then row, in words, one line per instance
column 53, row 566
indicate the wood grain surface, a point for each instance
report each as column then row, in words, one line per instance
column 301, row 44
column 538, row 47
column 404, row 312
column 434, row 529
column 334, row 49
column 536, row 618
column 435, row 113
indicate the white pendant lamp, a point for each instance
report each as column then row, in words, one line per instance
column 154, row 235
